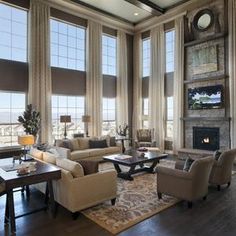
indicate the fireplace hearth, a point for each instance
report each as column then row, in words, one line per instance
column 206, row 138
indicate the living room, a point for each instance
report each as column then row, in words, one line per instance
column 105, row 70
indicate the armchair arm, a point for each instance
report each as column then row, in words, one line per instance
column 174, row 172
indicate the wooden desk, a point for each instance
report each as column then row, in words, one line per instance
column 44, row 173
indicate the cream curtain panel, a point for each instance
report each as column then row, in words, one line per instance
column 39, row 65
column 122, row 80
column 232, row 68
column 94, row 77
column 178, row 85
column 156, row 85
column 137, row 85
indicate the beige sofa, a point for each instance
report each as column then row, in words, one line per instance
column 78, row 149
column 76, row 191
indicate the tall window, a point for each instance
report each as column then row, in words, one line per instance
column 12, row 105
column 109, row 61
column 108, row 55
column 67, row 45
column 13, row 31
column 146, row 57
column 67, row 105
column 146, row 73
column 169, row 49
column 109, row 116
column 145, row 113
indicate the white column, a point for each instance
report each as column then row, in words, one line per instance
column 94, row 77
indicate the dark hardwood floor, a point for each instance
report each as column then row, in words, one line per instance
column 215, row 216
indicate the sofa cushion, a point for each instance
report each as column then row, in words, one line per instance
column 36, row 153
column 188, row 164
column 75, row 168
column 97, row 152
column 74, row 143
column 83, row 143
column 49, row 157
column 80, row 154
column 90, row 167
column 112, row 150
column 98, row 143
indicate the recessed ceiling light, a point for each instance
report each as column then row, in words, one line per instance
column 136, row 13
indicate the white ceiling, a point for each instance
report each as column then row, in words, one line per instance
column 120, row 8
column 125, row 10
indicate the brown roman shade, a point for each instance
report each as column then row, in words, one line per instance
column 145, row 34
column 109, row 31
column 169, row 84
column 68, row 82
column 145, row 87
column 169, row 25
column 14, row 76
column 20, row 3
column 68, row 17
column 109, row 86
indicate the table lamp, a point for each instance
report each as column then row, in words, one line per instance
column 26, row 140
column 86, row 119
column 65, row 119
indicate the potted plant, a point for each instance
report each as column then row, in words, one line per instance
column 30, row 121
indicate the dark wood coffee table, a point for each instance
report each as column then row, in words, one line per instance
column 136, row 160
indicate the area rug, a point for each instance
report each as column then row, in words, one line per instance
column 137, row 200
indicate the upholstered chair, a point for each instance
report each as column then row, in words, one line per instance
column 145, row 138
column 222, row 168
column 187, row 185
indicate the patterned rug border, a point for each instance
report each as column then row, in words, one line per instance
column 131, row 223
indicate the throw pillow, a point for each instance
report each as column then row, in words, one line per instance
column 90, row 167
column 75, row 168
column 216, row 155
column 112, row 141
column 188, row 164
column 98, row 143
column 66, row 144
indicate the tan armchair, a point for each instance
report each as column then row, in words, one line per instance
column 188, row 186
column 145, row 138
column 222, row 169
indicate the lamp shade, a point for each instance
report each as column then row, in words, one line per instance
column 86, row 118
column 26, row 140
column 65, row 119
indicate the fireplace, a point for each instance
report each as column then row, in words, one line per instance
column 206, row 138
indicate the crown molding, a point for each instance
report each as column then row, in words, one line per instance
column 169, row 15
column 90, row 14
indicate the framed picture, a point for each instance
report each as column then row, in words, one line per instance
column 205, row 60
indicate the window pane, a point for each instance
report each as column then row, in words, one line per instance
column 11, row 106
column 108, row 55
column 169, row 37
column 67, row 45
column 67, row 105
column 146, row 57
column 13, row 23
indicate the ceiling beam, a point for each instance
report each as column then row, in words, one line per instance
column 147, row 6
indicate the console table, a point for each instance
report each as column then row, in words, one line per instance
column 44, row 173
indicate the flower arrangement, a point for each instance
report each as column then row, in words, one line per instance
column 122, row 130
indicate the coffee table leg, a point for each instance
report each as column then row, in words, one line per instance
column 125, row 175
column 151, row 168
column 11, row 210
column 117, row 167
column 51, row 199
column 6, row 221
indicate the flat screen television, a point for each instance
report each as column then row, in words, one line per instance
column 209, row 97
